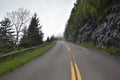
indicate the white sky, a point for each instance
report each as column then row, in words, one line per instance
column 53, row 14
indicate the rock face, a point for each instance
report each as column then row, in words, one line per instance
column 103, row 32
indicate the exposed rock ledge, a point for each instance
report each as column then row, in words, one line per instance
column 104, row 32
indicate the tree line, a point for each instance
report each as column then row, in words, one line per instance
column 15, row 31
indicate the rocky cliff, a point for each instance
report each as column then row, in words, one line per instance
column 102, row 32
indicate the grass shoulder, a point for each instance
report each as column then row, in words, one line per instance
column 111, row 50
column 12, row 63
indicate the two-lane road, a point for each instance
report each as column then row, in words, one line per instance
column 66, row 61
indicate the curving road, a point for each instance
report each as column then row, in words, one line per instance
column 66, row 61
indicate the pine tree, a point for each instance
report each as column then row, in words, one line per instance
column 52, row 38
column 48, row 39
column 6, row 36
column 24, row 39
column 35, row 34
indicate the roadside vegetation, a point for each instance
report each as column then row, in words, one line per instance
column 111, row 50
column 12, row 63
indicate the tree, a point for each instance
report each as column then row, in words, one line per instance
column 48, row 39
column 18, row 19
column 24, row 39
column 52, row 38
column 34, row 34
column 6, row 35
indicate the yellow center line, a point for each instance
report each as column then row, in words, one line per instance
column 78, row 72
column 73, row 76
column 75, row 72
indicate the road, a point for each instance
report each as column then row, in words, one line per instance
column 66, row 61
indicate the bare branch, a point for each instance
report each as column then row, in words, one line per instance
column 19, row 18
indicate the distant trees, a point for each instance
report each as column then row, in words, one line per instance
column 6, row 36
column 50, row 39
column 34, row 34
column 18, row 19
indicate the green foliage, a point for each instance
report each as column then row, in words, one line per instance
column 33, row 35
column 11, row 63
column 50, row 39
column 112, row 50
column 82, row 11
column 6, row 36
column 88, row 45
column 24, row 40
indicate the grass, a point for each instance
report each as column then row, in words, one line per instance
column 3, row 53
column 88, row 45
column 112, row 50
column 12, row 63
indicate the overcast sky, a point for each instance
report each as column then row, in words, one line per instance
column 53, row 14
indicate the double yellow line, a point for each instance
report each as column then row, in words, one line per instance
column 75, row 72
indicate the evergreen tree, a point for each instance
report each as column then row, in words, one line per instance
column 6, row 36
column 24, row 40
column 35, row 34
column 48, row 39
column 52, row 38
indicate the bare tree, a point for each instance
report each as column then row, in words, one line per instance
column 19, row 18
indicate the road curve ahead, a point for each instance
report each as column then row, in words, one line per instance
column 66, row 61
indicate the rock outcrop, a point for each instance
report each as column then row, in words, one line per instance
column 103, row 32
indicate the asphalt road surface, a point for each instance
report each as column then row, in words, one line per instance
column 66, row 61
